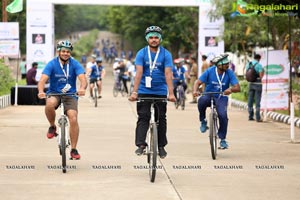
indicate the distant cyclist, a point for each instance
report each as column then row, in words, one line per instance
column 96, row 75
column 62, row 73
column 217, row 78
column 153, row 79
column 179, row 75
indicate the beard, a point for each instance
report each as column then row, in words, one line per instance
column 154, row 45
column 64, row 60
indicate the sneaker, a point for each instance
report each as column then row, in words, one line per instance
column 223, row 144
column 51, row 132
column 99, row 97
column 74, row 154
column 259, row 120
column 162, row 152
column 140, row 150
column 203, row 126
column 251, row 119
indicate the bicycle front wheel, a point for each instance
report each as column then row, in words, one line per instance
column 182, row 99
column 153, row 152
column 62, row 145
column 95, row 96
column 115, row 90
column 213, row 135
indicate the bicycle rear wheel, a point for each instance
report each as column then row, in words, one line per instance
column 62, row 145
column 153, row 152
column 213, row 135
column 95, row 96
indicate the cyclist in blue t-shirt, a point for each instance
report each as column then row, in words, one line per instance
column 217, row 78
column 179, row 75
column 62, row 72
column 153, row 79
column 97, row 73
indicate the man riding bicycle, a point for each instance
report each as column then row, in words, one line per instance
column 62, row 73
column 179, row 75
column 97, row 73
column 153, row 79
column 217, row 78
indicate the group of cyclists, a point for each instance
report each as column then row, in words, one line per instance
column 153, row 74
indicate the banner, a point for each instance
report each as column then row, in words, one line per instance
column 276, row 80
column 9, row 39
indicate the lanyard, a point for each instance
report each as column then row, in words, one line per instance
column 150, row 60
column 179, row 72
column 65, row 73
column 97, row 70
column 220, row 81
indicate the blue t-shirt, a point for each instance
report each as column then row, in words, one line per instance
column 212, row 83
column 158, row 82
column 57, row 77
column 96, row 73
column 178, row 74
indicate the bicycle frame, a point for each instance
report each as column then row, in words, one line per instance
column 152, row 138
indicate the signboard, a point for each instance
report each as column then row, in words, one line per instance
column 9, row 30
column 276, row 80
column 9, row 48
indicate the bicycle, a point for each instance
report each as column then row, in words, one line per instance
column 63, row 138
column 213, row 124
column 118, row 87
column 152, row 138
column 180, row 97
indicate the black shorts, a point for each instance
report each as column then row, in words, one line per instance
column 93, row 80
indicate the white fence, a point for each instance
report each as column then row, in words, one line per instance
column 4, row 101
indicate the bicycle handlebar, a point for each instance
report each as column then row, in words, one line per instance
column 210, row 93
column 152, row 99
column 62, row 94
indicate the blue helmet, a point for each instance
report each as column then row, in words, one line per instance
column 98, row 60
column 64, row 44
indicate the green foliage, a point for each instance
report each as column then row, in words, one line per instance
column 179, row 25
column 241, row 33
column 85, row 43
column 295, row 87
column 6, row 81
column 243, row 95
column 87, row 17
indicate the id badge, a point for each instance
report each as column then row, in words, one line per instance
column 148, row 81
column 68, row 86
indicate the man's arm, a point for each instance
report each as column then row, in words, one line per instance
column 83, row 84
column 196, row 87
column 41, row 86
column 169, row 75
column 235, row 88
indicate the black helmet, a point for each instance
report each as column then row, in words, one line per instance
column 153, row 29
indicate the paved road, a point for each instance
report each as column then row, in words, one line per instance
column 260, row 164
